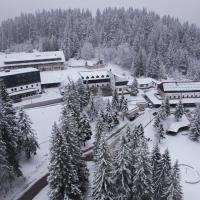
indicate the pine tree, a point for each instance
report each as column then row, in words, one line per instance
column 155, row 163
column 157, row 121
column 161, row 182
column 121, row 102
column 63, row 178
column 122, row 173
column 124, row 109
column 161, row 133
column 99, row 129
column 115, row 101
column 84, row 129
column 162, row 111
column 69, row 128
column 27, row 142
column 179, row 111
column 174, row 189
column 128, row 134
column 134, row 88
column 109, row 116
column 7, row 174
column 9, row 129
column 167, row 106
column 195, row 126
column 142, row 181
column 103, row 187
column 92, row 111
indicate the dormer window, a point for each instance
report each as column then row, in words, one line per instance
column 97, row 76
column 92, row 76
column 107, row 75
column 82, row 77
column 87, row 77
column 102, row 76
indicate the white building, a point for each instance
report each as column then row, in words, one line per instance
column 43, row 61
column 118, row 83
column 146, row 83
column 95, row 78
column 177, row 90
column 21, row 83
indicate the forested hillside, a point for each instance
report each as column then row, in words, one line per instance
column 142, row 41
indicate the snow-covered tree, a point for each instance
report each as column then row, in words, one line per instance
column 179, row 111
column 115, row 101
column 27, row 141
column 167, row 105
column 142, row 181
column 7, row 174
column 87, row 51
column 63, row 178
column 103, row 187
column 174, row 188
column 92, row 111
column 157, row 121
column 162, row 178
column 124, row 108
column 161, row 133
column 134, row 88
column 162, row 111
column 84, row 129
column 9, row 129
column 122, row 172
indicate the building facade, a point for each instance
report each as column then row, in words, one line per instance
column 43, row 61
column 177, row 90
column 95, row 78
column 21, row 83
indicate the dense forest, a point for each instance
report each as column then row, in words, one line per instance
column 136, row 39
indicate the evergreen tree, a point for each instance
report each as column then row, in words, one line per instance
column 92, row 111
column 142, row 181
column 155, row 162
column 122, row 173
column 121, row 102
column 128, row 134
column 162, row 111
column 161, row 133
column 179, row 111
column 27, row 142
column 174, row 190
column 115, row 101
column 69, row 128
column 9, row 129
column 63, row 178
column 167, row 106
column 162, row 178
column 157, row 121
column 7, row 174
column 103, row 187
column 85, row 132
column 124, row 108
column 134, row 88
column 195, row 126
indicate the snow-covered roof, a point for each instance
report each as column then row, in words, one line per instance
column 22, row 58
column 97, row 74
column 79, row 63
column 147, row 80
column 17, row 71
column 181, row 86
column 174, row 126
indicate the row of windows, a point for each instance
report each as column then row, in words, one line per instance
column 24, row 87
column 184, row 96
column 87, row 77
column 102, row 85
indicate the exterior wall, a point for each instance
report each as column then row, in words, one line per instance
column 41, row 67
column 102, row 84
column 183, row 95
column 25, row 89
column 147, row 85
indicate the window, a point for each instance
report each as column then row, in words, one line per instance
column 102, row 76
column 37, row 84
column 87, row 77
column 12, row 89
column 107, row 75
column 97, row 76
column 27, row 86
column 15, row 89
column 92, row 76
column 120, row 89
column 21, row 88
column 31, row 85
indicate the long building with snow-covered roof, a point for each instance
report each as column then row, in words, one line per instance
column 177, row 90
column 21, row 83
column 43, row 61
